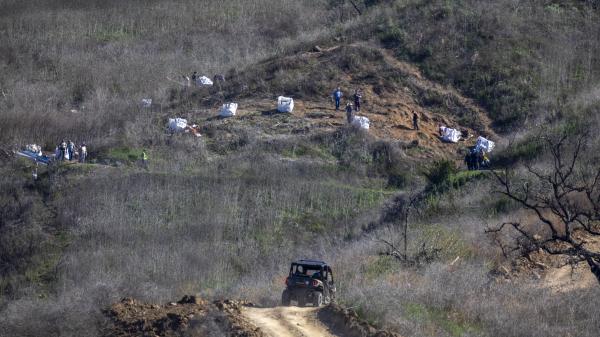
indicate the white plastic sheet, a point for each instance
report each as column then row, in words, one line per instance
column 228, row 110
column 285, row 104
column 484, row 144
column 34, row 148
column 204, row 81
column 146, row 102
column 450, row 135
column 177, row 124
column 361, row 122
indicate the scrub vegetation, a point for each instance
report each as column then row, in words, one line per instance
column 222, row 215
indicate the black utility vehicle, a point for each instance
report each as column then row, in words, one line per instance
column 309, row 281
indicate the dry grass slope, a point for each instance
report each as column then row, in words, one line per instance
column 223, row 215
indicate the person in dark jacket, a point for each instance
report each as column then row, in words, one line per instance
column 349, row 114
column 194, row 77
column 357, row 99
column 415, row 121
column 475, row 159
column 469, row 161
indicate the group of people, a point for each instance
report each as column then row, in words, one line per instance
column 357, row 98
column 476, row 159
column 350, row 109
column 67, row 150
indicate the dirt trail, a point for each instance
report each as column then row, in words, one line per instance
column 287, row 321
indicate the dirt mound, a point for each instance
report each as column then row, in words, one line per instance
column 236, row 324
column 191, row 315
column 345, row 322
column 133, row 318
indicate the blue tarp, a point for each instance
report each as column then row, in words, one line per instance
column 43, row 159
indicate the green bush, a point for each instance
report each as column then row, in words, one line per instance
column 440, row 172
column 393, row 36
column 125, row 154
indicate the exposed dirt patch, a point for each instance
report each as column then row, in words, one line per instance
column 392, row 91
column 558, row 273
column 288, row 322
column 191, row 316
column 569, row 277
column 345, row 322
column 329, row 321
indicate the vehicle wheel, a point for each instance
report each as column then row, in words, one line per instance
column 285, row 298
column 318, row 299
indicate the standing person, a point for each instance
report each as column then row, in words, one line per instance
column 485, row 163
column 144, row 159
column 349, row 114
column 481, row 159
column 57, row 153
column 475, row 160
column 82, row 153
column 63, row 150
column 71, row 149
column 357, row 99
column 469, row 160
column 219, row 78
column 415, row 121
column 194, row 77
column 337, row 97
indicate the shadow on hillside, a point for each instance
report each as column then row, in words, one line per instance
column 270, row 112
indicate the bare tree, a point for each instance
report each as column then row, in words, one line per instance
column 564, row 198
column 398, row 219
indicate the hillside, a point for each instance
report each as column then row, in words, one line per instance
column 104, row 248
column 392, row 91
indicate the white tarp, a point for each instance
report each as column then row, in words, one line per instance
column 450, row 135
column 484, row 144
column 203, row 80
column 177, row 124
column 285, row 104
column 34, row 148
column 228, row 110
column 146, row 102
column 361, row 122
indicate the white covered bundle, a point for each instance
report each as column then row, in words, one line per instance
column 228, row 110
column 484, row 144
column 177, row 124
column 34, row 148
column 146, row 102
column 361, row 122
column 450, row 135
column 285, row 104
column 204, row 81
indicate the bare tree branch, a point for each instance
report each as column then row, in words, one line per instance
column 356, row 7
column 566, row 201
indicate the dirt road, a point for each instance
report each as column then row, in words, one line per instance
column 287, row 322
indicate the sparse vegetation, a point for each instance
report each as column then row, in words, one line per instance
column 82, row 236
